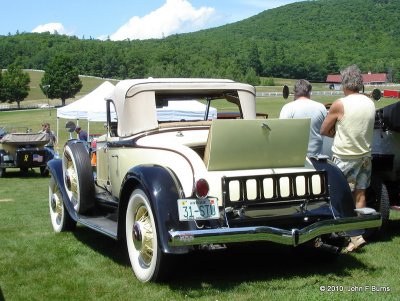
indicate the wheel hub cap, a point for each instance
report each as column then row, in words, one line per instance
column 68, row 180
column 137, row 232
column 142, row 234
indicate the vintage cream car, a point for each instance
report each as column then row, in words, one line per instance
column 173, row 174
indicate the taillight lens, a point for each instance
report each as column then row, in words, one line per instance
column 201, row 188
column 93, row 144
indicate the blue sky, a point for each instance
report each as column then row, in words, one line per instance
column 122, row 19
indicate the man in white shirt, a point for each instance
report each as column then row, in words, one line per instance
column 304, row 107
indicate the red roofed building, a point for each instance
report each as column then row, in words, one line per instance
column 375, row 78
column 368, row 79
column 334, row 79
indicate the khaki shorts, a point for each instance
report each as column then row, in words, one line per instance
column 356, row 171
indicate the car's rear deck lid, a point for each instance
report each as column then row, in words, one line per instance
column 257, row 144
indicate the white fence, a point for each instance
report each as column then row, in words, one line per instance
column 280, row 94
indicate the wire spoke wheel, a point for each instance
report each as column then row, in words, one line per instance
column 78, row 176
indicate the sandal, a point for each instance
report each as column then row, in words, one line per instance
column 356, row 242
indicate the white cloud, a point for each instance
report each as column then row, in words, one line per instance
column 52, row 28
column 175, row 16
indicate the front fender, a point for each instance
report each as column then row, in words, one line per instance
column 163, row 189
column 56, row 171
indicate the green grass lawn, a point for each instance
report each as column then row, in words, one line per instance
column 37, row 264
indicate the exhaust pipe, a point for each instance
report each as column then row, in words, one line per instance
column 319, row 244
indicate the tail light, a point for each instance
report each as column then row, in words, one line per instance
column 93, row 144
column 201, row 188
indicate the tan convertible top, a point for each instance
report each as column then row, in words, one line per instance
column 135, row 99
column 25, row 138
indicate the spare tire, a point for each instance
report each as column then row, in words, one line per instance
column 78, row 176
column 377, row 197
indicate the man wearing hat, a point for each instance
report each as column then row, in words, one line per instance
column 82, row 134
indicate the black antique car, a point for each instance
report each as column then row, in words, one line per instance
column 385, row 183
column 24, row 150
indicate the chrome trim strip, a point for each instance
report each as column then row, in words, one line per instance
column 264, row 233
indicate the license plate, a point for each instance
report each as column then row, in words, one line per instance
column 198, row 209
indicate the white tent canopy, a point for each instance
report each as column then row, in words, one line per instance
column 175, row 111
column 185, row 110
column 88, row 104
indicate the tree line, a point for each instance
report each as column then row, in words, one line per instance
column 14, row 84
column 309, row 39
column 60, row 80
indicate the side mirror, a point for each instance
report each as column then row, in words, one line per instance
column 285, row 92
column 376, row 94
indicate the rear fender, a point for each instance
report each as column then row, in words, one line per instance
column 55, row 169
column 163, row 189
column 339, row 191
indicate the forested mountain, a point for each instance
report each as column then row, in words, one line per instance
column 301, row 40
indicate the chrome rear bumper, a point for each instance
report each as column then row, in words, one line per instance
column 281, row 236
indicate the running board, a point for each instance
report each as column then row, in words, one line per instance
column 100, row 224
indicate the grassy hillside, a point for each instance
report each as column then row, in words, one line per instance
column 359, row 31
column 306, row 39
column 36, row 95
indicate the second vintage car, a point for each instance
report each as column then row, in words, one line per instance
column 168, row 177
column 20, row 148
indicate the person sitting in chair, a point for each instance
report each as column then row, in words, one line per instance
column 50, row 135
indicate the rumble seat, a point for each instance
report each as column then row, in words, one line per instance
column 254, row 144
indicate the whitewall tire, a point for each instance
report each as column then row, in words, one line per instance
column 147, row 259
column 60, row 218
